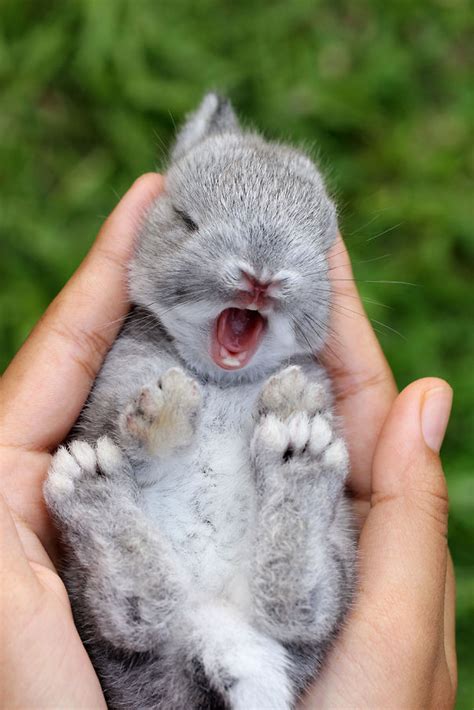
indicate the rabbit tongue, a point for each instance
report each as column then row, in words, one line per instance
column 239, row 329
column 237, row 335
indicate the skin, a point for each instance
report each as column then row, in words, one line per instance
column 397, row 649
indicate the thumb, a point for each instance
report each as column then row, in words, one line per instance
column 403, row 542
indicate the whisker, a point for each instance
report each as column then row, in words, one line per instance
column 386, row 231
column 318, row 328
column 380, row 281
column 377, row 330
column 373, row 302
column 364, row 226
column 356, row 263
column 392, row 330
column 342, row 294
column 374, row 258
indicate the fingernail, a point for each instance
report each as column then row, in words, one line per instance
column 435, row 415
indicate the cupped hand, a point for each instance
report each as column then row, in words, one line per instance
column 397, row 648
column 43, row 661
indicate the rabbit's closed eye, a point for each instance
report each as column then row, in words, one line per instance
column 212, row 548
column 242, row 230
column 190, row 223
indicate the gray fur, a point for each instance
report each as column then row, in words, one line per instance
column 210, row 545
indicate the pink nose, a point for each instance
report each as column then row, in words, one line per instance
column 257, row 291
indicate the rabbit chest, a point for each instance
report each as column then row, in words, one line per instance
column 202, row 499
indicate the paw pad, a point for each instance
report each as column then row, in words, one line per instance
column 289, row 392
column 305, row 434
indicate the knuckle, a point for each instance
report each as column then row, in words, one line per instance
column 349, row 384
column 86, row 347
column 115, row 258
column 435, row 507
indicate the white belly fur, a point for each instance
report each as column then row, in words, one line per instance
column 203, row 499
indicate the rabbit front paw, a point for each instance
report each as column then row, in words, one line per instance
column 163, row 416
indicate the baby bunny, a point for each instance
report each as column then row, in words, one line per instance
column 209, row 543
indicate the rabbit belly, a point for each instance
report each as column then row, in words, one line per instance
column 203, row 500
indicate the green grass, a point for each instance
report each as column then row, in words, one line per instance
column 90, row 92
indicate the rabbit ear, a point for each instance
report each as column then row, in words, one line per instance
column 214, row 115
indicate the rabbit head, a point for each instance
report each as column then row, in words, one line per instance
column 232, row 258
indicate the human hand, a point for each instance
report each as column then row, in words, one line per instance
column 43, row 661
column 397, row 648
column 64, row 354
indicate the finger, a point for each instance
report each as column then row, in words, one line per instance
column 403, row 542
column 44, row 388
column 450, row 622
column 364, row 385
column 388, row 652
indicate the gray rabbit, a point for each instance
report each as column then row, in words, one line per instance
column 209, row 543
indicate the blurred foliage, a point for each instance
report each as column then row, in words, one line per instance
column 380, row 91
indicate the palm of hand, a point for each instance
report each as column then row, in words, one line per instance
column 47, row 658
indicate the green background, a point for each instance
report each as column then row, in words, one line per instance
column 379, row 91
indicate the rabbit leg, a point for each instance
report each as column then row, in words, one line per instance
column 304, row 557
column 247, row 668
column 126, row 574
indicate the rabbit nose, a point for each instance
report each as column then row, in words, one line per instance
column 255, row 294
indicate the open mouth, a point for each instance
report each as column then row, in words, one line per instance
column 236, row 336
